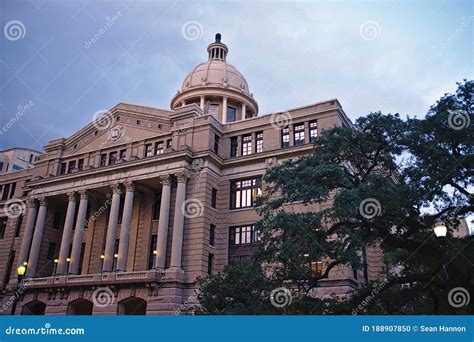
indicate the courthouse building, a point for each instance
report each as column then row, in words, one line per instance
column 123, row 216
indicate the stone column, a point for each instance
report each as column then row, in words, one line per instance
column 28, row 234
column 163, row 223
column 37, row 236
column 202, row 103
column 244, row 110
column 178, row 227
column 67, row 234
column 224, row 110
column 111, row 229
column 78, row 233
column 125, row 227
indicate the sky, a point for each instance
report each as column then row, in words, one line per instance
column 63, row 61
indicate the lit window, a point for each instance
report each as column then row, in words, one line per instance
column 230, row 114
column 244, row 192
column 246, row 144
column 148, row 150
column 259, row 142
column 299, row 134
column 244, row 235
column 159, row 147
column 285, row 137
column 313, row 130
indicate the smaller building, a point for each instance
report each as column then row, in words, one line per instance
column 16, row 159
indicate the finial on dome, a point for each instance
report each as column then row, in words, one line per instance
column 218, row 37
column 217, row 50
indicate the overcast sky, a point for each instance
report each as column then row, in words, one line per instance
column 371, row 56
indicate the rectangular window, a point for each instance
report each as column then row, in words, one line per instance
column 112, row 158
column 246, row 144
column 169, row 142
column 6, row 192
column 3, row 226
column 121, row 206
column 313, row 130
column 259, row 142
column 51, row 251
column 159, row 147
column 214, row 198
column 230, row 114
column 299, row 134
column 12, row 190
column 62, row 169
column 1, row 166
column 71, row 167
column 152, row 252
column 57, row 220
column 212, row 234
column 123, row 154
column 19, row 221
column 80, row 164
column 216, row 143
column 148, row 150
column 8, row 271
column 156, row 206
column 244, row 193
column 103, row 159
column 244, row 235
column 210, row 262
column 213, row 110
column 285, row 137
column 233, row 147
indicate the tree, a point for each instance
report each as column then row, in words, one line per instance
column 372, row 184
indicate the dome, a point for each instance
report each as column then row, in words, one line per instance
column 217, row 87
column 216, row 73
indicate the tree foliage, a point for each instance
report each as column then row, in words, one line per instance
column 384, row 181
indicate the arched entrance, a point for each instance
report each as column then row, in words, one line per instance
column 131, row 306
column 34, row 307
column 81, row 307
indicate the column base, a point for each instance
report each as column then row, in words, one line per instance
column 175, row 273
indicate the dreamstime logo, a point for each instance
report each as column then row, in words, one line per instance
column 14, row 30
column 370, row 30
column 102, row 120
column 192, row 30
column 192, row 208
column 280, row 120
column 458, row 297
column 103, row 296
column 458, row 119
column 14, row 208
column 280, row 297
column 370, row 207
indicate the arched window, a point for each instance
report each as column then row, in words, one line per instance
column 34, row 307
column 131, row 306
column 81, row 307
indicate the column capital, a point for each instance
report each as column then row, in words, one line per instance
column 31, row 202
column 182, row 176
column 71, row 195
column 165, row 179
column 84, row 194
column 129, row 186
column 43, row 201
column 116, row 188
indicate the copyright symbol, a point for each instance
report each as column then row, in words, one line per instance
column 415, row 328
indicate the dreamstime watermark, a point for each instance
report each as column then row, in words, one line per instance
column 18, row 292
column 281, row 297
column 103, row 296
column 192, row 30
column 103, row 120
column 281, row 120
column 14, row 30
column 192, row 208
column 370, row 30
column 377, row 289
column 458, row 119
column 46, row 330
column 459, row 297
column 21, row 110
column 14, row 208
column 370, row 207
column 109, row 22
column 466, row 21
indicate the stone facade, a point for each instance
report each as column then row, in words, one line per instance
column 141, row 201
